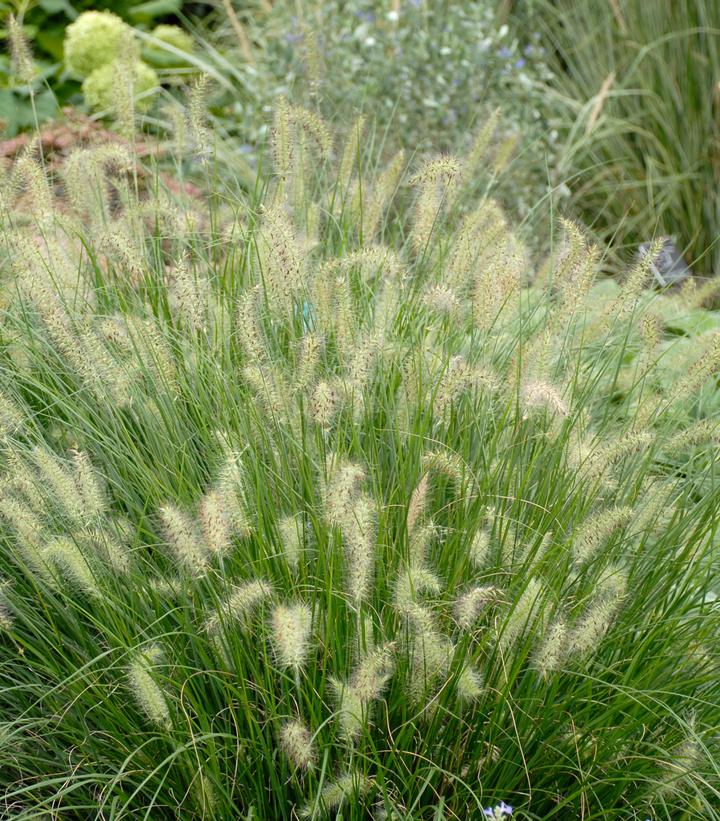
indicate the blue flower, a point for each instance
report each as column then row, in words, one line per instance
column 520, row 63
column 504, row 52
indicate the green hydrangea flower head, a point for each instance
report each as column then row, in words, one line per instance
column 101, row 86
column 174, row 36
column 95, row 39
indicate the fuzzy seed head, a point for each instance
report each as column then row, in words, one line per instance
column 11, row 417
column 68, row 557
column 685, row 759
column 360, row 367
column 310, row 350
column 540, row 395
column 418, row 504
column 231, row 478
column 596, row 529
column 552, row 651
column 291, row 537
column 470, row 605
column 588, row 633
column 146, row 691
column 197, row 113
column 290, row 631
column 281, row 259
column 111, row 546
column 342, row 491
column 296, row 743
column 524, row 614
column 248, row 328
column 215, row 522
column 190, row 295
column 455, row 381
column 699, row 372
column 6, row 613
column 479, row 550
column 324, row 404
column 420, row 540
column 281, row 139
column 433, row 180
column 29, row 533
column 347, row 787
column 447, row 463
column 637, row 279
column 442, row 300
column 184, row 539
column 359, row 537
column 414, row 581
column 28, row 174
column 243, row 602
column 22, row 60
column 373, row 673
column 431, row 651
column 469, row 684
column 90, row 487
column 351, row 712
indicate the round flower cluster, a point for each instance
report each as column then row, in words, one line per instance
column 174, row 36
column 101, row 49
column 95, row 39
column 101, row 87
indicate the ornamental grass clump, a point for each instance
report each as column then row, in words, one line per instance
column 307, row 512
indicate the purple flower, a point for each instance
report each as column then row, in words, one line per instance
column 520, row 63
column 501, row 808
column 504, row 52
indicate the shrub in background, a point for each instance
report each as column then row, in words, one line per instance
column 424, row 73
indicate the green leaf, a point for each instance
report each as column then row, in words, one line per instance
column 161, row 59
column 58, row 6
column 154, row 8
column 51, row 41
column 9, row 110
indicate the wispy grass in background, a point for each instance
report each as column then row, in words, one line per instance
column 636, row 102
